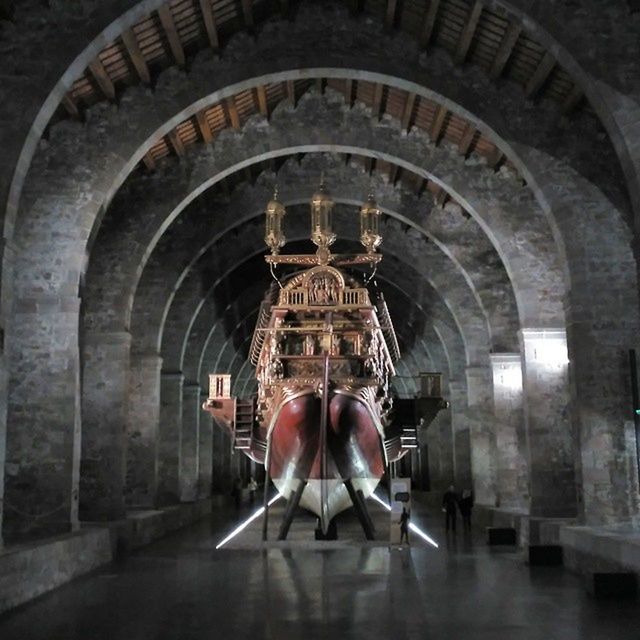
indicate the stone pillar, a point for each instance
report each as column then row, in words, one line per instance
column 205, row 453
column 169, row 435
column 482, row 435
column 547, row 417
column 42, row 465
column 220, row 442
column 189, row 458
column 3, row 434
column 511, row 444
column 461, row 435
column 105, row 389
column 142, row 430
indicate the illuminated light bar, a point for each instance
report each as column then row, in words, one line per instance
column 412, row 526
column 247, row 522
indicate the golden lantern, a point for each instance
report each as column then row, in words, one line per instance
column 274, row 237
column 370, row 225
column 321, row 220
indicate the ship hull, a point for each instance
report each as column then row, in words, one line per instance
column 354, row 450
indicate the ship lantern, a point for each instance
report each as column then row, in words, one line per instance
column 274, row 236
column 370, row 225
column 322, row 234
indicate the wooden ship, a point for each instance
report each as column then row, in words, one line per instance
column 325, row 422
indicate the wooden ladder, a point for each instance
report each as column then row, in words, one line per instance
column 243, row 431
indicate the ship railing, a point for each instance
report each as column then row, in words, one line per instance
column 346, row 298
column 259, row 334
column 387, row 329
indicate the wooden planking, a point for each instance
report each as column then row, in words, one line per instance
column 429, row 23
column 467, row 34
column 506, row 49
column 102, row 78
column 133, row 49
column 209, row 20
column 540, row 76
column 169, row 26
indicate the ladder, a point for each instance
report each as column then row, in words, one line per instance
column 243, row 428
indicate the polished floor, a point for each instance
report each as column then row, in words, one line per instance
column 182, row 588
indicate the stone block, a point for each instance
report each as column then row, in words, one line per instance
column 501, row 536
column 545, row 555
column 612, row 585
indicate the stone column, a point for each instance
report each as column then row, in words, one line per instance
column 461, row 435
column 482, row 435
column 189, row 457
column 546, row 405
column 142, row 430
column 42, row 465
column 105, row 389
column 511, row 445
column 169, row 434
column 3, row 434
column 205, row 453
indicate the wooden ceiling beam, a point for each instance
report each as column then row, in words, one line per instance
column 291, row 92
column 247, row 12
column 203, row 126
column 102, row 78
column 133, row 49
column 176, row 142
column 390, row 17
column 506, row 49
column 370, row 165
column 169, row 26
column 261, row 97
column 232, row 112
column 467, row 33
column 320, row 85
column 209, row 20
column 394, row 174
column 376, row 106
column 407, row 113
column 572, row 100
column 495, row 158
column 351, row 91
column 437, row 125
column 149, row 162
column 464, row 146
column 429, row 23
column 540, row 75
column 70, row 106
column 440, row 197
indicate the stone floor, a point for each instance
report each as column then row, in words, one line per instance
column 182, row 588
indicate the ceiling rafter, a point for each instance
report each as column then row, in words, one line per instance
column 542, row 72
column 135, row 54
column 390, row 15
column 261, row 97
column 169, row 26
column 102, row 78
column 376, row 107
column 468, row 135
column 209, row 20
column 203, row 126
column 435, row 132
column 467, row 33
column 506, row 49
column 407, row 113
column 247, row 13
column 429, row 23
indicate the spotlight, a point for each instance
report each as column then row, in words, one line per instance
column 247, row 522
column 412, row 526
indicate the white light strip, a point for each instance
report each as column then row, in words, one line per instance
column 412, row 526
column 247, row 522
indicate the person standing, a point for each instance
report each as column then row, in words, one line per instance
column 404, row 525
column 449, row 507
column 466, row 505
column 253, row 487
